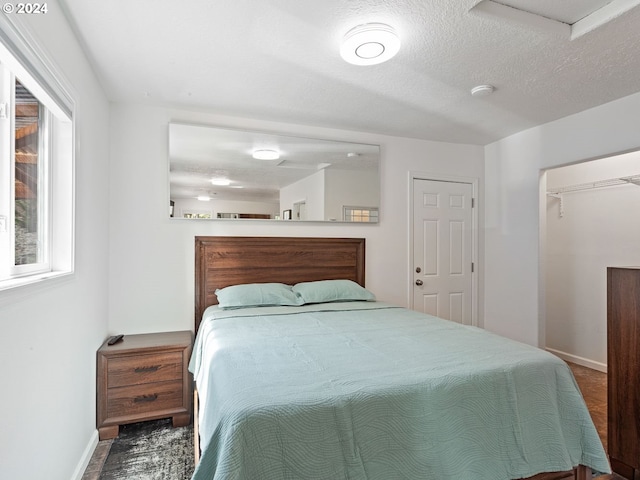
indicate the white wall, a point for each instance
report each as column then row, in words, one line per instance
column 327, row 191
column 51, row 331
column 350, row 188
column 599, row 228
column 309, row 190
column 152, row 256
column 514, row 305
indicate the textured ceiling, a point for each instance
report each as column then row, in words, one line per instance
column 279, row 60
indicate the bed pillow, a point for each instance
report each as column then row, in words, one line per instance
column 257, row 295
column 325, row 291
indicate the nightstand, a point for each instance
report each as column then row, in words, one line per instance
column 143, row 377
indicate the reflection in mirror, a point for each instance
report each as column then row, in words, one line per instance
column 219, row 173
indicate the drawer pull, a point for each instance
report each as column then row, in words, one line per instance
column 146, row 398
column 147, row 369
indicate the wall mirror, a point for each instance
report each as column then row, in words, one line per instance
column 217, row 173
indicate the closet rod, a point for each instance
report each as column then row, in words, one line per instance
column 634, row 179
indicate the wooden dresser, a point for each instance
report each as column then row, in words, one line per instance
column 623, row 370
column 143, row 377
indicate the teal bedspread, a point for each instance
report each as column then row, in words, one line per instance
column 365, row 390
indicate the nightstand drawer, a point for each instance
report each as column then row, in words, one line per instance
column 141, row 369
column 138, row 399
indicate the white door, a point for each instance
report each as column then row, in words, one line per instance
column 300, row 211
column 443, row 249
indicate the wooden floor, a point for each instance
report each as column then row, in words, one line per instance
column 593, row 385
column 94, row 469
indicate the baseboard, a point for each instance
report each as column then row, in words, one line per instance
column 585, row 362
column 86, row 457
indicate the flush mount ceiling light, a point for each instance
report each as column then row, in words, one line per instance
column 482, row 90
column 266, row 155
column 221, row 182
column 370, row 44
column 204, row 198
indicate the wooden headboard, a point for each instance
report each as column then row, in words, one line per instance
column 224, row 261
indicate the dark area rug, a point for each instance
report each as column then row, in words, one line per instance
column 150, row 451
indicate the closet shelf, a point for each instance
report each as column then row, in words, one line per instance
column 612, row 182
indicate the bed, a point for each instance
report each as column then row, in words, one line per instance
column 361, row 389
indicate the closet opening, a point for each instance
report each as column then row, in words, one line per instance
column 588, row 221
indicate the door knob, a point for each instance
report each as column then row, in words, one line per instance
column 418, row 282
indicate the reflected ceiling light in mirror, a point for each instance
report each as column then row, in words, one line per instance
column 370, row 44
column 221, row 182
column 204, row 198
column 265, row 154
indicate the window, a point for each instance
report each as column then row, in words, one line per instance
column 36, row 166
column 196, row 215
column 361, row 214
column 30, row 245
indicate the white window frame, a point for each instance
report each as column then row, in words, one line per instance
column 347, row 214
column 21, row 56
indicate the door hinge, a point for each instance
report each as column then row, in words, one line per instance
column 4, row 110
column 472, row 266
column 473, row 202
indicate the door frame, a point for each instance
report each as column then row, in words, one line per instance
column 296, row 209
column 473, row 181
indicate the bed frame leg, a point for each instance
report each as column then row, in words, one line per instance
column 583, row 473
